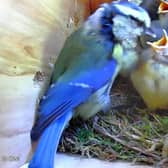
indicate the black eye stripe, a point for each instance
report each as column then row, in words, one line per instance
column 137, row 21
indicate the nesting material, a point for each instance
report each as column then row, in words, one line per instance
column 32, row 34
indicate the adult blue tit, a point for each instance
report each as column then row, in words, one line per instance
column 84, row 73
column 151, row 77
column 126, row 34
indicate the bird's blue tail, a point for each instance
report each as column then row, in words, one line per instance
column 47, row 146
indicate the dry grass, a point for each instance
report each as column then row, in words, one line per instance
column 129, row 131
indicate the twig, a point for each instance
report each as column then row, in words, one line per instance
column 136, row 131
column 162, row 162
column 136, row 137
column 105, row 133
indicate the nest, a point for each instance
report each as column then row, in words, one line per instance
column 129, row 131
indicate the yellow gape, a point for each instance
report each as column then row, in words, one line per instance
column 151, row 78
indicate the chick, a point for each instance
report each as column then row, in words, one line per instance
column 150, row 78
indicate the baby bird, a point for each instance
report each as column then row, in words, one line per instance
column 151, row 77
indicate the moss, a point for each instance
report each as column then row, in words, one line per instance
column 129, row 131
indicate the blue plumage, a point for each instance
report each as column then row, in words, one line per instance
column 80, row 84
column 46, row 149
column 64, row 97
column 90, row 68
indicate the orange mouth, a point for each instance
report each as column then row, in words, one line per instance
column 160, row 48
column 163, row 7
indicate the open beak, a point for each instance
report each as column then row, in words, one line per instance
column 160, row 48
column 163, row 7
column 160, row 44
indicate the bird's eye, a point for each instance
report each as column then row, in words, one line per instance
column 139, row 23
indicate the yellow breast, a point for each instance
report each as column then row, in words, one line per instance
column 151, row 81
column 151, row 78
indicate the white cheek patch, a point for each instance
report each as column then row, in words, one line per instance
column 139, row 15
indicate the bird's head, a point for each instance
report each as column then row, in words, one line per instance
column 131, row 9
column 129, row 22
column 119, row 18
column 160, row 49
column 121, row 22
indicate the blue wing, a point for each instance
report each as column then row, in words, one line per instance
column 64, row 97
column 57, row 109
column 47, row 146
column 83, row 67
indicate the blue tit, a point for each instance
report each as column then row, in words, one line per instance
column 84, row 73
column 150, row 78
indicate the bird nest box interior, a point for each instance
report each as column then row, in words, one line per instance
column 32, row 35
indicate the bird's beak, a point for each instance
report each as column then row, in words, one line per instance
column 160, row 44
column 163, row 7
column 149, row 32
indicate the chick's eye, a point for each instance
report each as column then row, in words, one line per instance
column 140, row 24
